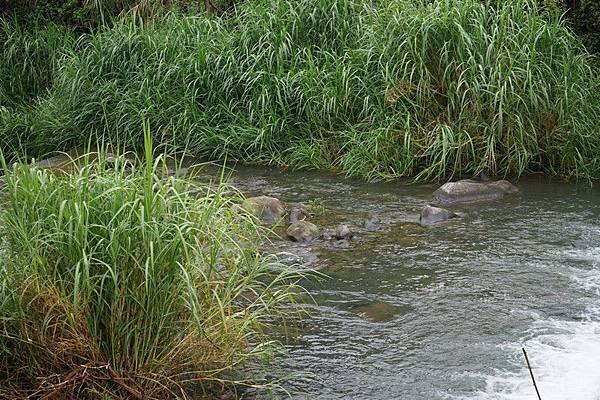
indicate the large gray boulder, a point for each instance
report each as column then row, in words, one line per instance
column 302, row 231
column 433, row 215
column 468, row 190
column 268, row 209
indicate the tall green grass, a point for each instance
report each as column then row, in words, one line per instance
column 399, row 88
column 28, row 59
column 125, row 285
column 85, row 15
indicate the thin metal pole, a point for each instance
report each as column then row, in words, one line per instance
column 531, row 373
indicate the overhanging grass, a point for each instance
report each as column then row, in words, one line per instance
column 127, row 286
column 404, row 88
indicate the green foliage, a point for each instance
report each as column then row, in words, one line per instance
column 32, row 12
column 29, row 58
column 586, row 20
column 116, row 284
column 315, row 206
column 87, row 14
column 406, row 88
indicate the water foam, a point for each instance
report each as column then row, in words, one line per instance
column 566, row 365
column 565, row 354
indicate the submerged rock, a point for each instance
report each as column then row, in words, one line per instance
column 342, row 244
column 434, row 215
column 268, row 209
column 372, row 224
column 468, row 190
column 328, row 234
column 293, row 254
column 342, row 233
column 376, row 311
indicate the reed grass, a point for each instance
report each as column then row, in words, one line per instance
column 379, row 90
column 28, row 59
column 119, row 284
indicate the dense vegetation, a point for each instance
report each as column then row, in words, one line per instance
column 85, row 15
column 29, row 59
column 584, row 15
column 124, row 285
column 401, row 89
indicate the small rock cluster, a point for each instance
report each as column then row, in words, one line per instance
column 271, row 210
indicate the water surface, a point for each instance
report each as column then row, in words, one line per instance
column 442, row 313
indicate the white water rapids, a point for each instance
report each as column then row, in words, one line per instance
column 565, row 353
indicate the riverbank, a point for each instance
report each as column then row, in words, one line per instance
column 404, row 89
column 119, row 281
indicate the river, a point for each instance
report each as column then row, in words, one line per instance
column 442, row 313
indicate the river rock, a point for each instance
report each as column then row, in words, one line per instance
column 113, row 161
column 468, row 190
column 302, row 231
column 434, row 215
column 294, row 254
column 328, row 234
column 372, row 224
column 342, row 244
column 343, row 232
column 57, row 162
column 376, row 311
column 268, row 209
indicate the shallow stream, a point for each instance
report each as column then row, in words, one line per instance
column 442, row 313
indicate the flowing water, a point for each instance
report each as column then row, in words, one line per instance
column 442, row 313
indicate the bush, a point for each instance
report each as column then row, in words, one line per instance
column 402, row 89
column 126, row 286
column 32, row 12
column 586, row 20
column 87, row 14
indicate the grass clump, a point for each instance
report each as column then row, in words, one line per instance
column 402, row 88
column 315, row 206
column 29, row 58
column 124, row 285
